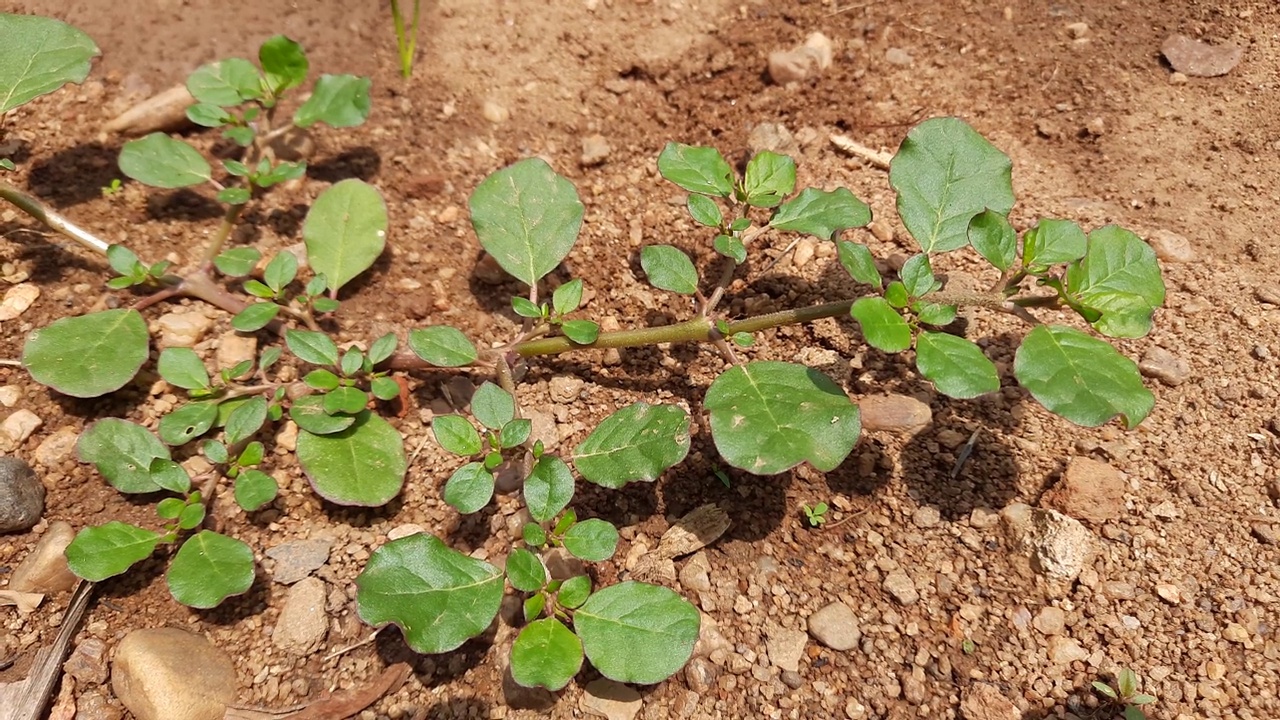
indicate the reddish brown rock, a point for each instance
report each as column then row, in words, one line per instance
column 1090, row 491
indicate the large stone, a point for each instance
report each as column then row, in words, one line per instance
column 835, row 626
column 1164, row 366
column 57, row 447
column 21, row 496
column 302, row 624
column 1200, row 59
column 182, row 329
column 1090, row 490
column 610, row 699
column 44, row 570
column 1171, row 247
column 16, row 428
column 1058, row 546
column 171, row 674
column 894, row 413
column 785, row 645
column 234, row 348
column 297, row 559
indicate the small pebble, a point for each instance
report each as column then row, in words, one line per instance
column 898, row 56
column 21, row 496
column 1164, row 366
column 595, row 151
column 900, row 586
column 494, row 112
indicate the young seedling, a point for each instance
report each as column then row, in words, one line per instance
column 1124, row 694
column 406, row 36
column 816, row 515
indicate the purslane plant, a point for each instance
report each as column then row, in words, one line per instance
column 765, row 416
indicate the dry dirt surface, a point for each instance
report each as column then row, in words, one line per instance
column 1184, row 586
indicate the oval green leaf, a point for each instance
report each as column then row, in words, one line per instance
column 161, row 161
column 882, row 327
column 994, row 238
column 821, row 214
column 527, row 217
column 696, row 169
column 582, row 332
column 1081, row 378
column 442, row 346
column 39, row 55
column 548, row 489
column 122, row 452
column 456, row 434
column 525, row 571
column 669, row 268
column 730, row 247
column 337, row 101
column 769, row 178
column 210, row 568
column 225, row 83
column 107, row 550
column 704, row 210
column 246, row 420
column 254, row 489
column 857, row 260
column 255, row 317
column 469, row 488
column 1051, row 242
column 187, row 423
column 438, row 597
column 311, row 346
column 944, row 174
column 637, row 633
column 593, row 540
column 955, row 366
column 492, row 406
column 345, row 231
column 308, row 412
column 546, row 654
column 183, row 367
column 89, row 355
column 1119, row 277
column 767, row 417
column 917, row 276
column 363, row 465
column 574, row 591
column 635, row 443
column 283, row 62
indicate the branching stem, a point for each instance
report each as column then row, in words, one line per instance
column 38, row 210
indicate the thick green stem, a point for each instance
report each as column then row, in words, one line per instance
column 51, row 219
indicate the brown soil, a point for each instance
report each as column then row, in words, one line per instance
column 1097, row 132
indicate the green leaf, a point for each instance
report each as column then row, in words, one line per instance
column 107, row 550
column 281, row 271
column 820, row 213
column 565, row 522
column 934, row 314
column 525, row 571
column 89, row 355
column 469, row 488
column 308, row 412
column 363, row 465
column 769, row 178
column 122, row 452
column 883, row 327
column 246, row 420
column 442, row 346
column 325, row 305
column 944, row 174
column 492, row 406
column 859, row 263
column 533, row 534
column 637, row 633
column 352, row 362
column 1051, row 242
column 696, row 169
column 269, row 357
column 730, row 247
column 191, row 516
column 39, row 55
column 635, row 443
column 593, row 540
column 346, row 400
column 438, row 597
column 321, row 379
column 994, row 238
column 255, row 489
column 170, row 508
column 183, row 367
column 313, row 347
column 384, row 388
column 525, row 307
column 345, row 231
column 515, row 432
column 187, row 423
column 259, row 290
column 669, row 268
column 161, row 161
column 169, row 475
column 767, row 417
column 917, row 276
column 1120, row 278
column 955, row 366
column 255, row 317
column 251, row 455
column 567, row 297
column 533, row 606
column 336, row 100
column 545, row 654
column 225, row 83
column 582, row 332
column 283, row 62
column 215, row 451
column 527, row 217
column 704, row 210
column 382, row 348
column 122, row 259
column 234, row 195
column 895, row 293
column 1081, row 378
column 237, row 262
column 208, row 569
column 574, row 591
column 456, row 435
column 548, row 489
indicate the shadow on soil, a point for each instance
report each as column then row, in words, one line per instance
column 75, row 175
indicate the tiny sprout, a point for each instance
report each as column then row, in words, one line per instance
column 815, row 515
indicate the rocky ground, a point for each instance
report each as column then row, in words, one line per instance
column 1053, row 557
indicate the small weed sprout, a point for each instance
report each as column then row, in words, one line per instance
column 406, row 36
column 815, row 515
column 1124, row 694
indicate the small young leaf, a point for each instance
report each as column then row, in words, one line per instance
column 352, row 362
column 635, row 443
column 337, row 101
column 40, row 55
column 944, row 174
column 1081, row 378
column 565, row 522
column 1126, row 682
column 251, row 455
column 545, row 654
column 308, row 412
column 525, row 571
column 438, row 597
column 281, row 271
column 170, row 508
column 382, row 348
column 533, row 607
column 704, row 210
column 122, row 259
column 955, row 366
column 255, row 489
column 345, row 400
column 567, row 297
column 820, row 213
column 574, row 591
column 384, row 388
column 994, row 238
column 637, row 633
column 259, row 290
column 315, row 286
column 767, row 417
column 237, row 262
column 363, row 465
column 187, row 423
column 525, row 307
column 527, row 217
column 191, row 517
column 283, row 62
column 917, row 276
column 161, row 161
column 742, row 339
column 493, row 406
column 582, row 332
column 895, row 293
column 269, row 357
column 456, row 435
column 345, row 231
column 89, row 355
column 534, row 535
column 325, row 305
column 934, row 314
column 1051, row 242
column 241, row 135
column 669, row 268
column 182, row 367
column 1120, row 277
column 234, row 195
column 122, row 452
column 1105, row 689
column 255, row 317
column 442, row 346
column 1141, row 699
column 515, row 432
column 548, row 489
column 215, row 451
column 225, row 83
column 313, row 347
column 469, row 488
column 169, row 475
column 769, row 178
column 593, row 540
column 696, row 169
column 246, row 420
column 882, row 327
column 107, row 550
column 859, row 263
column 321, row 379
column 208, row 569
column 730, row 247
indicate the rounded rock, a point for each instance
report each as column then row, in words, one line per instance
column 835, row 626
column 167, row 673
column 21, row 496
